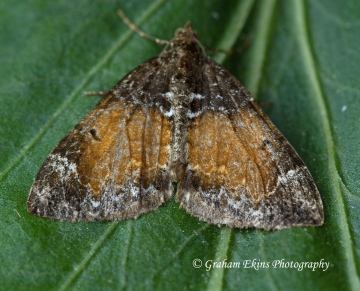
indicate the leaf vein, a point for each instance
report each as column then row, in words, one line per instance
column 338, row 202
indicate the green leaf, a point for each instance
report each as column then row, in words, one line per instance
column 302, row 62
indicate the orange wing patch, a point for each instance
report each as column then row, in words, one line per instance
column 101, row 142
column 223, row 156
column 139, row 145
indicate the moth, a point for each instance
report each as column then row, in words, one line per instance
column 178, row 118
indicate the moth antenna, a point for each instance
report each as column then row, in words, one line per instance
column 133, row 27
column 92, row 93
column 201, row 46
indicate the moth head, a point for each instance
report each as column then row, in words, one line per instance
column 185, row 36
column 186, row 31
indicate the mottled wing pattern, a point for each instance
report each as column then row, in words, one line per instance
column 113, row 163
column 242, row 172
